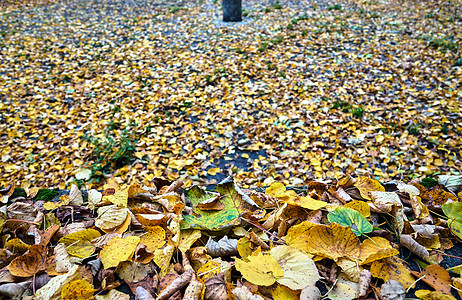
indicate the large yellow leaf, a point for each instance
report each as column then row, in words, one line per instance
column 260, row 269
column 77, row 290
column 374, row 249
column 366, row 185
column 392, row 268
column 297, row 236
column 154, row 238
column 79, row 243
column 118, row 250
column 299, row 269
column 334, row 241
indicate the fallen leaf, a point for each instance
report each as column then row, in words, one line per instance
column 79, row 243
column 154, row 238
column 350, row 218
column 375, row 249
column 223, row 247
column 77, row 290
column 366, row 185
column 436, row 277
column 299, row 269
column 118, row 250
column 392, row 268
column 334, row 242
column 260, row 269
column 429, row 295
column 392, row 290
column 30, row 263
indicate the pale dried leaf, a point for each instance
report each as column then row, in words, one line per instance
column 407, row 241
column 223, row 247
column 393, row 290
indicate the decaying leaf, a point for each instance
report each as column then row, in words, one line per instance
column 310, row 292
column 30, row 263
column 176, row 285
column 223, row 247
column 366, row 185
column 407, row 241
column 392, row 268
column 77, row 290
column 437, row 277
column 393, row 290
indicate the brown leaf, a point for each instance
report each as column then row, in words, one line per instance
column 176, row 285
column 215, row 288
column 407, row 241
column 30, row 263
column 437, row 277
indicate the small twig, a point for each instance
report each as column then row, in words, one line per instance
column 261, row 228
column 407, row 291
column 24, row 221
column 448, row 254
column 333, row 285
column 33, row 284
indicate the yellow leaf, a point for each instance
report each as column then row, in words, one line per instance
column 276, row 189
column 297, row 235
column 392, row 268
column 120, row 196
column 65, row 200
column 299, row 269
column 429, row 295
column 283, row 293
column 307, row 202
column 17, row 246
column 366, row 185
column 118, row 250
column 359, row 206
column 214, row 171
column 208, row 270
column 77, row 290
column 374, row 249
column 110, row 217
column 334, row 242
column 79, row 243
column 154, row 238
column 188, row 237
column 243, row 247
column 260, row 270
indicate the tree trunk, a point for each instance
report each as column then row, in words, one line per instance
column 232, row 10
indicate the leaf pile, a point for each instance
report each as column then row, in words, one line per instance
column 92, row 89
column 348, row 238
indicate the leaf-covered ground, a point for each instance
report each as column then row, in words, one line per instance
column 352, row 238
column 140, row 89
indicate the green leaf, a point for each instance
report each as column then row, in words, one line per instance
column 453, row 211
column 234, row 201
column 350, row 218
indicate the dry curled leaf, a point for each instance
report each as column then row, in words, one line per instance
column 223, row 247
